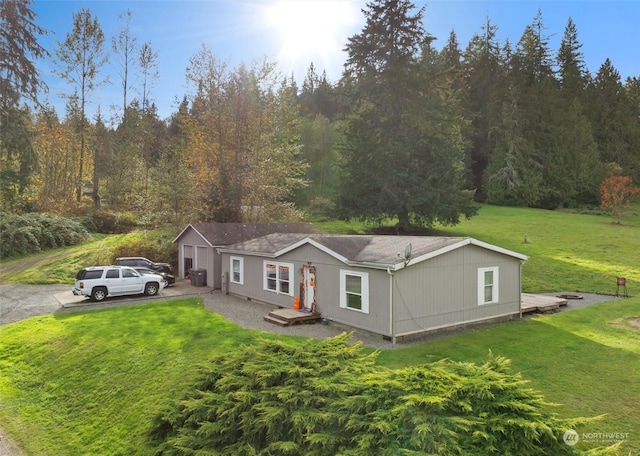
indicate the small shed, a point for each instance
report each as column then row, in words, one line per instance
column 390, row 285
column 197, row 244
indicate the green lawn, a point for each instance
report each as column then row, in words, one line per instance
column 60, row 266
column 90, row 382
column 587, row 360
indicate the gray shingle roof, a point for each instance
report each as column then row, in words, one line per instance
column 219, row 234
column 381, row 250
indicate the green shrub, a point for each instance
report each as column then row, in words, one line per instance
column 34, row 232
column 322, row 398
column 162, row 250
column 321, row 208
column 110, row 222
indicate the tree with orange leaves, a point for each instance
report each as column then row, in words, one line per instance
column 616, row 193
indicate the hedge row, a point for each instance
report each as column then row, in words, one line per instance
column 34, row 232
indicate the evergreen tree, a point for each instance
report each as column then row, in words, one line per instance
column 614, row 119
column 404, row 150
column 101, row 148
column 571, row 64
column 19, row 48
column 19, row 81
column 532, row 160
column 485, row 77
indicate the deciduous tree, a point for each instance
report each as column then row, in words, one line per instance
column 79, row 60
column 124, row 46
column 617, row 192
column 55, row 180
column 148, row 64
column 243, row 140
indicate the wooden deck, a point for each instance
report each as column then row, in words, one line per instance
column 288, row 317
column 541, row 303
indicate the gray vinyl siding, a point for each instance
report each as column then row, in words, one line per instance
column 327, row 287
column 378, row 318
column 443, row 291
column 203, row 255
column 435, row 293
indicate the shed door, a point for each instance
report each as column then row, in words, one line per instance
column 202, row 257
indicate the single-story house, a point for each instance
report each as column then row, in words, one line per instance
column 390, row 285
column 197, row 244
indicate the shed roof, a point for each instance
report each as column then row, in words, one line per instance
column 363, row 250
column 219, row 234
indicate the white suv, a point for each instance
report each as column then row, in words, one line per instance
column 98, row 282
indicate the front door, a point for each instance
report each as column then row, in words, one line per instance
column 310, row 287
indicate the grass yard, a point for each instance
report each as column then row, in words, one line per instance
column 587, row 361
column 89, row 382
column 60, row 266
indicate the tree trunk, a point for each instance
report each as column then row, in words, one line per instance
column 403, row 219
column 96, row 185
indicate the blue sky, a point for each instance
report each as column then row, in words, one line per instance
column 294, row 33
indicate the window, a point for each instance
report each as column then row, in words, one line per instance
column 129, row 273
column 277, row 277
column 487, row 285
column 113, row 274
column 237, row 268
column 354, row 291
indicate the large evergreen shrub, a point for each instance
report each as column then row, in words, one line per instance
column 112, row 222
column 328, row 398
column 34, row 232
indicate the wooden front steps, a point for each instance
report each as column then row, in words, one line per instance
column 288, row 317
column 541, row 303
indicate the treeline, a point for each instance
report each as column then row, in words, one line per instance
column 409, row 131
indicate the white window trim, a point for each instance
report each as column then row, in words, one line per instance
column 265, row 279
column 364, row 277
column 241, row 262
column 481, row 285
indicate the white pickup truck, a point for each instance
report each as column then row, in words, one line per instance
column 98, row 282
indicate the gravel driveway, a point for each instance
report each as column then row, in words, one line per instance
column 19, row 302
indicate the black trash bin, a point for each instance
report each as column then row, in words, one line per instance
column 198, row 277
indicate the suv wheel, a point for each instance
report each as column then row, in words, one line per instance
column 151, row 289
column 98, row 294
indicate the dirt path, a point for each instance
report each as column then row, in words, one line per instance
column 13, row 266
column 7, row 446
